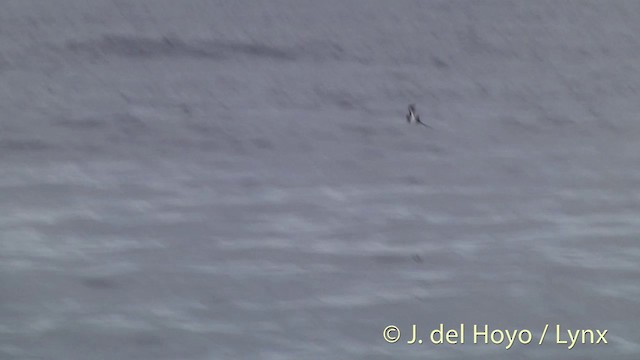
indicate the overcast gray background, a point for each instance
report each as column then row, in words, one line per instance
column 235, row 179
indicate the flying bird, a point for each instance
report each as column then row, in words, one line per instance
column 413, row 117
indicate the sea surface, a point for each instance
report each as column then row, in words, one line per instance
column 204, row 180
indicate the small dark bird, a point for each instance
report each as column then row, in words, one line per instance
column 413, row 117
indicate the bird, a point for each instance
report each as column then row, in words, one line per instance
column 413, row 117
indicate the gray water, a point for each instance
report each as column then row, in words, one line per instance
column 235, row 180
